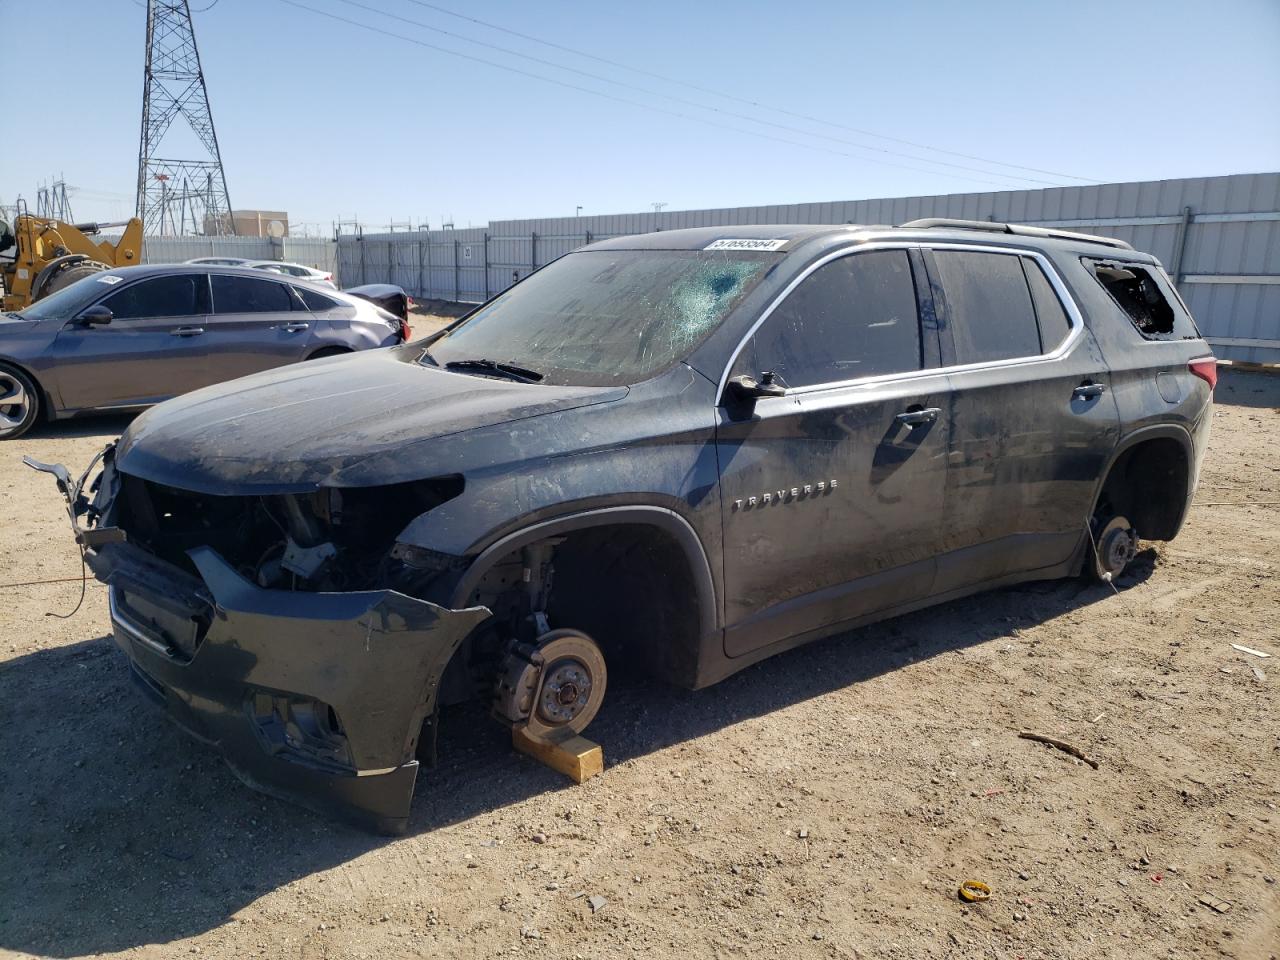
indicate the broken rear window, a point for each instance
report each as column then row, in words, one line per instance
column 1143, row 298
column 605, row 317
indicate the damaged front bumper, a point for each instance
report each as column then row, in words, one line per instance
column 317, row 698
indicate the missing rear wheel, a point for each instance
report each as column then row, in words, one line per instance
column 1114, row 545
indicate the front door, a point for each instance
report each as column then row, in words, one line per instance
column 257, row 324
column 152, row 349
column 1032, row 416
column 832, row 494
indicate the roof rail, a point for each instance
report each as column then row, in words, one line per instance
column 1017, row 229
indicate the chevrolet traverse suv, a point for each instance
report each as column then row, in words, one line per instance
column 684, row 451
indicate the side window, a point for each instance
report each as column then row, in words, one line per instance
column 249, row 295
column 315, row 301
column 1140, row 295
column 170, row 296
column 988, row 306
column 853, row 317
column 1052, row 318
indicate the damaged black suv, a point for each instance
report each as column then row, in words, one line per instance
column 682, row 451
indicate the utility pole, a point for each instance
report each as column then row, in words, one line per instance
column 657, row 207
column 173, row 86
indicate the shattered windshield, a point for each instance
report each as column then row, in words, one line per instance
column 604, row 317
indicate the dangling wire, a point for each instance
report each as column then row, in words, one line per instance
column 84, row 582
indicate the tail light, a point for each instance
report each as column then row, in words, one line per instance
column 1206, row 368
column 405, row 332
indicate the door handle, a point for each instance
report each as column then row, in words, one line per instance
column 915, row 417
column 1087, row 391
column 187, row 332
column 294, row 327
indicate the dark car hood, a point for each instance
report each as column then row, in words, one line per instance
column 296, row 428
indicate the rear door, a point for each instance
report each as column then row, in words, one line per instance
column 1032, row 416
column 153, row 348
column 832, row 494
column 257, row 324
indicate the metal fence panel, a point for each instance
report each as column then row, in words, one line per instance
column 318, row 252
column 310, row 251
column 180, row 249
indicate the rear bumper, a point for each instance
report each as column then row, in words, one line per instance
column 317, row 698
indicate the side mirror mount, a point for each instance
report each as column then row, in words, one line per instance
column 95, row 315
column 749, row 389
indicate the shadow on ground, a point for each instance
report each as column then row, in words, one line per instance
column 119, row 831
column 112, row 425
column 1247, row 388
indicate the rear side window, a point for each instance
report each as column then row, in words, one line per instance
column 249, row 295
column 989, row 306
column 315, row 301
column 1143, row 299
column 1050, row 316
column 853, row 317
column 171, row 296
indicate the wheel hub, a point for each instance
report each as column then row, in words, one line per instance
column 566, row 691
column 1116, row 546
column 555, row 687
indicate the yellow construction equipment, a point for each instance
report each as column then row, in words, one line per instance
column 39, row 255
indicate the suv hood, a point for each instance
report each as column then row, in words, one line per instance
column 296, row 428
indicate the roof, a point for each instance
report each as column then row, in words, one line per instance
column 160, row 269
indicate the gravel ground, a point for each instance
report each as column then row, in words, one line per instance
column 825, row 803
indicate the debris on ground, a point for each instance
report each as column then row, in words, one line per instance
column 1061, row 745
column 1250, row 651
column 1214, row 903
column 597, row 903
column 974, row 891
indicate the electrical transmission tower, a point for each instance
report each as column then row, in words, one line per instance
column 52, row 202
column 178, row 197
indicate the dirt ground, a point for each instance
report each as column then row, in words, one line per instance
column 825, row 803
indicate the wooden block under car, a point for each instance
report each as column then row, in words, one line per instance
column 576, row 757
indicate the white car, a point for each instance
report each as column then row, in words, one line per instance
column 297, row 270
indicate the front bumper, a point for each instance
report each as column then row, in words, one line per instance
column 318, row 698
column 313, row 697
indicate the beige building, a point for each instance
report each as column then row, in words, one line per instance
column 257, row 223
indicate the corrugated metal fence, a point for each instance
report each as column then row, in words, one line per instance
column 310, row 251
column 1218, row 237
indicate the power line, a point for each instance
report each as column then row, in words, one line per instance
column 730, row 96
column 695, row 104
column 624, row 100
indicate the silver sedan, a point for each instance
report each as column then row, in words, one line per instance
column 299, row 270
column 125, row 339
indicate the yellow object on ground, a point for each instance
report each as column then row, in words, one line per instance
column 576, row 757
column 974, row 891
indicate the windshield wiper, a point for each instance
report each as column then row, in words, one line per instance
column 509, row 370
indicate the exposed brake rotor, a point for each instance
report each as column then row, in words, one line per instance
column 555, row 686
column 1116, row 545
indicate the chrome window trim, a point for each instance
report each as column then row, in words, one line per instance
column 1069, row 305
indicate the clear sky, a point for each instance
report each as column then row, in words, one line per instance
column 324, row 118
